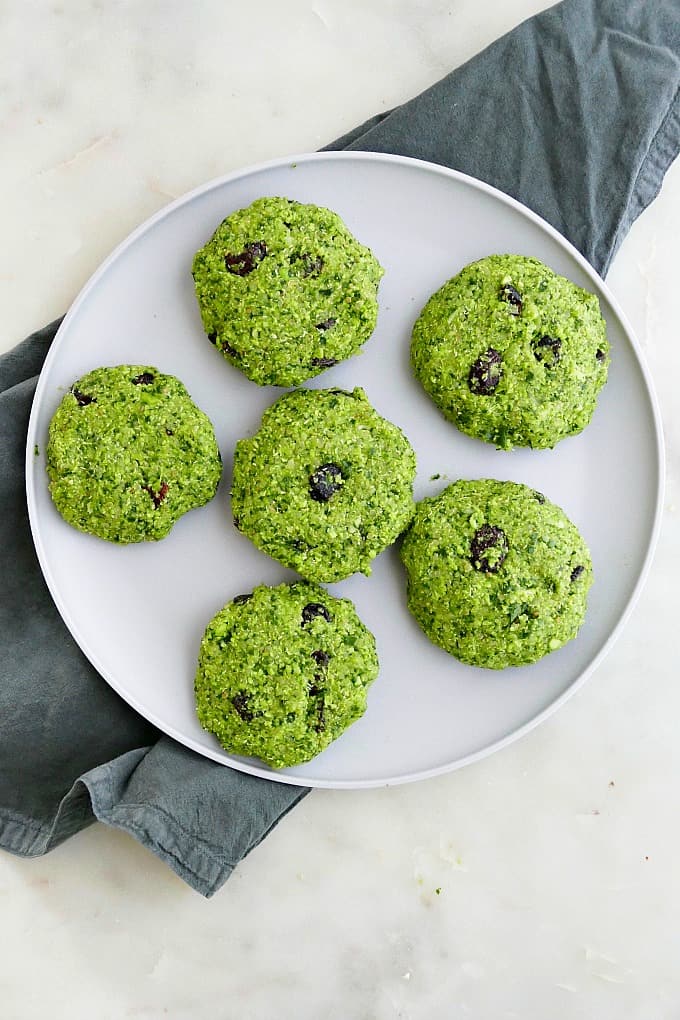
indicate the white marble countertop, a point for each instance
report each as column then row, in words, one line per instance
column 539, row 883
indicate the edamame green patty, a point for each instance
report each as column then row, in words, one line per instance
column 325, row 484
column 286, row 291
column 497, row 575
column 512, row 353
column 282, row 672
column 129, row 453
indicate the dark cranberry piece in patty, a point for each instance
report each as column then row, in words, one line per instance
column 485, row 373
column 512, row 298
column 312, row 610
column 83, row 398
column 488, row 549
column 325, row 482
column 547, row 350
column 246, row 261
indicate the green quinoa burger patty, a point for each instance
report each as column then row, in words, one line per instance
column 325, row 484
column 129, row 453
column 286, row 291
column 497, row 575
column 511, row 353
column 282, row 672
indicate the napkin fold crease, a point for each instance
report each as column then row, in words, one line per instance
column 576, row 113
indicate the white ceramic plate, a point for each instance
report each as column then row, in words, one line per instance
column 138, row 612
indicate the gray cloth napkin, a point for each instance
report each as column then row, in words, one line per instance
column 576, row 114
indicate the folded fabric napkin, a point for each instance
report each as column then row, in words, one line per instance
column 576, row 114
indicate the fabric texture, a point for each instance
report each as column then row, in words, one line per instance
column 576, row 113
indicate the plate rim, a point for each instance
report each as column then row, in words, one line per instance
column 262, row 771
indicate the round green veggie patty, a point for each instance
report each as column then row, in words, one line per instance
column 497, row 575
column 325, row 484
column 129, row 453
column 512, row 353
column 286, row 291
column 282, row 672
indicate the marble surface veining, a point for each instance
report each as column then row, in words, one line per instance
column 541, row 882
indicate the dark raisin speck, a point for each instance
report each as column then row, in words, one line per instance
column 321, row 658
column 228, row 349
column 241, row 703
column 169, row 432
column 599, row 355
column 326, row 324
column 306, row 264
column 246, row 261
column 512, row 298
column 488, row 548
column 323, row 362
column 143, row 379
column 238, row 600
column 83, row 398
column 547, row 350
column 212, row 337
column 312, row 610
column 159, row 496
column 538, row 496
column 576, row 573
column 485, row 373
column 324, row 482
column 237, row 522
column 320, row 725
